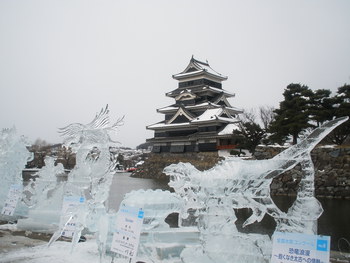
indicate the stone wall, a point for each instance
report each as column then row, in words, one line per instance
column 156, row 162
column 332, row 167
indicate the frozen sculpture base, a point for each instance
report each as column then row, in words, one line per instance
column 210, row 198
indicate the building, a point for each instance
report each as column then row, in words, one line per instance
column 201, row 119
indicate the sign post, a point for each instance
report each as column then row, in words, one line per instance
column 128, row 230
column 296, row 247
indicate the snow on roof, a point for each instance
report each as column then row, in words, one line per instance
column 231, row 110
column 199, row 89
column 209, row 114
column 168, row 108
column 163, row 125
column 214, row 114
column 200, row 67
column 229, row 128
column 223, row 91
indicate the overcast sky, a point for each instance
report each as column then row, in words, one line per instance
column 62, row 61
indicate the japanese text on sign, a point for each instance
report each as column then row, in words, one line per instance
column 127, row 233
column 295, row 247
column 69, row 204
column 13, row 196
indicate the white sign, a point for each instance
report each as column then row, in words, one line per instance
column 69, row 204
column 295, row 247
column 128, row 229
column 13, row 196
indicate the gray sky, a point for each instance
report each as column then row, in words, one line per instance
column 62, row 61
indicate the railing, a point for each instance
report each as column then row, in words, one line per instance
column 226, row 147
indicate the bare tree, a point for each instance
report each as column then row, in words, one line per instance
column 253, row 126
column 248, row 115
column 267, row 115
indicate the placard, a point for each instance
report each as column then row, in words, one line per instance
column 13, row 196
column 128, row 229
column 296, row 247
column 69, row 204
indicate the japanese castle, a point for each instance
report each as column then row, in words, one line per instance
column 201, row 119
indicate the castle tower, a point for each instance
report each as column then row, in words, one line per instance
column 201, row 119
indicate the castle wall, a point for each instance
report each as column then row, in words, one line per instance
column 332, row 172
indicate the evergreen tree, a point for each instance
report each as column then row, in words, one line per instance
column 292, row 117
column 321, row 106
column 250, row 129
column 253, row 134
column 342, row 108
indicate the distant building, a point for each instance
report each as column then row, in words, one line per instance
column 201, row 119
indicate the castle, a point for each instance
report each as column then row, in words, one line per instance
column 201, row 119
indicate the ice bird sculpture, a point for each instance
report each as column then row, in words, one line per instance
column 91, row 177
column 236, row 183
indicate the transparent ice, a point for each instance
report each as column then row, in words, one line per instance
column 43, row 196
column 235, row 184
column 158, row 242
column 90, row 179
column 13, row 158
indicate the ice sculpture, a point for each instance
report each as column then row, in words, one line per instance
column 44, row 197
column 156, row 204
column 235, row 184
column 91, row 177
column 158, row 242
column 13, row 158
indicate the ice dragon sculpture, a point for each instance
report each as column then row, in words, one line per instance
column 91, row 177
column 13, row 158
column 235, row 184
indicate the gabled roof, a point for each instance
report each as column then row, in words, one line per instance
column 181, row 112
column 195, row 68
column 210, row 115
column 201, row 106
column 200, row 89
column 221, row 98
column 218, row 114
column 185, row 95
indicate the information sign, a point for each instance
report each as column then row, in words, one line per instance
column 70, row 203
column 296, row 247
column 13, row 196
column 128, row 229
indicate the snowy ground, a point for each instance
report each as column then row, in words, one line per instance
column 20, row 247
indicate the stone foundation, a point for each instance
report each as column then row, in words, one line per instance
column 332, row 166
column 332, row 177
column 156, row 162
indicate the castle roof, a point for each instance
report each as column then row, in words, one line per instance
column 197, row 68
column 200, row 89
column 204, row 105
column 210, row 115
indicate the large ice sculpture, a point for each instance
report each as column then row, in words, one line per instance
column 158, row 242
column 235, row 184
column 91, row 177
column 44, row 197
column 13, row 158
